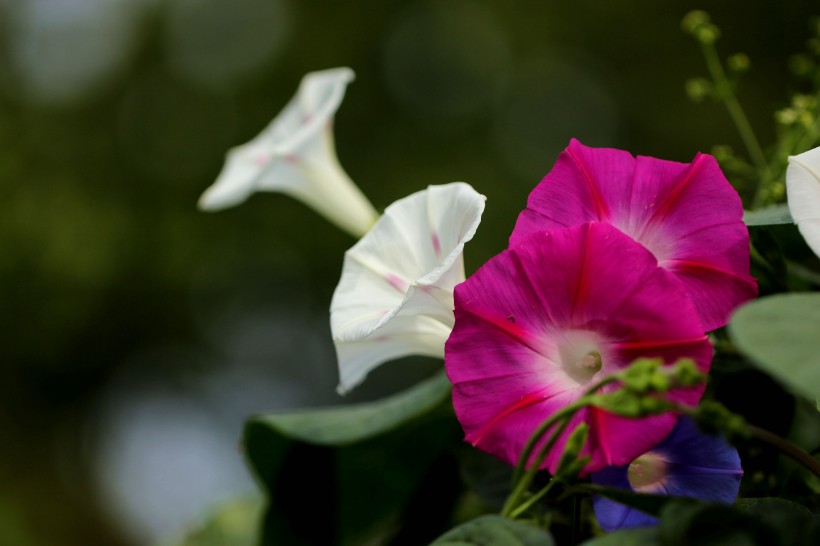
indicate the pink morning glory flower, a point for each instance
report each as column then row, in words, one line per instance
column 688, row 463
column 539, row 323
column 686, row 214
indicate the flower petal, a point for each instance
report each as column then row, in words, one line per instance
column 687, row 215
column 524, row 325
column 803, row 189
column 395, row 297
column 295, row 154
column 573, row 193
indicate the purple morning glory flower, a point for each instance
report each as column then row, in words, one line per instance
column 688, row 463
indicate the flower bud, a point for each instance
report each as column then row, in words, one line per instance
column 698, row 88
column 739, row 62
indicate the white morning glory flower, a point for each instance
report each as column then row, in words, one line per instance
column 803, row 190
column 295, row 154
column 395, row 297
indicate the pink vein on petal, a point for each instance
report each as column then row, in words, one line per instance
column 511, row 329
column 672, row 197
column 436, row 244
column 658, row 344
column 525, row 401
column 598, row 417
column 690, row 265
column 581, row 295
column 397, row 282
column 600, row 206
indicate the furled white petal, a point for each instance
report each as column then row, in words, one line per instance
column 803, row 190
column 395, row 297
column 295, row 154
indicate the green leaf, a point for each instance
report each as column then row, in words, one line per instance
column 753, row 522
column 343, row 463
column 793, row 523
column 644, row 536
column 781, row 335
column 688, row 522
column 487, row 476
column 769, row 216
column 764, row 506
column 768, row 265
column 343, row 425
column 236, row 523
column 494, row 530
column 391, row 484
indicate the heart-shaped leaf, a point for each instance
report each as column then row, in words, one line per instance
column 781, row 335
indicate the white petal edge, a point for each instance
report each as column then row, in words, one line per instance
column 295, row 154
column 803, row 191
column 395, row 295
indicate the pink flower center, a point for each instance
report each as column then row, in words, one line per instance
column 647, row 473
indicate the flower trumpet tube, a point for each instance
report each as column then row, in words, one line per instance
column 686, row 214
column 295, row 154
column 395, row 296
column 543, row 321
column 803, row 190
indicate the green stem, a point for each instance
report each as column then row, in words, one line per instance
column 524, row 506
column 541, row 430
column 808, row 139
column 803, row 272
column 738, row 116
column 538, row 434
column 576, row 521
column 786, row 447
column 522, row 483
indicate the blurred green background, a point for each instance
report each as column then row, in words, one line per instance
column 138, row 332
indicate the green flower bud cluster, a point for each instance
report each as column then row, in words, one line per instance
column 739, row 62
column 699, row 24
column 686, row 374
column 650, row 375
column 806, row 64
column 802, row 111
column 713, row 417
column 698, row 89
column 723, row 153
column 802, row 65
column 642, row 385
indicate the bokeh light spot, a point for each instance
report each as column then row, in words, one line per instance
column 446, row 60
column 65, row 50
column 552, row 99
column 219, row 44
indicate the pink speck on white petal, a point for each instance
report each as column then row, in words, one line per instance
column 397, row 282
column 436, row 244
